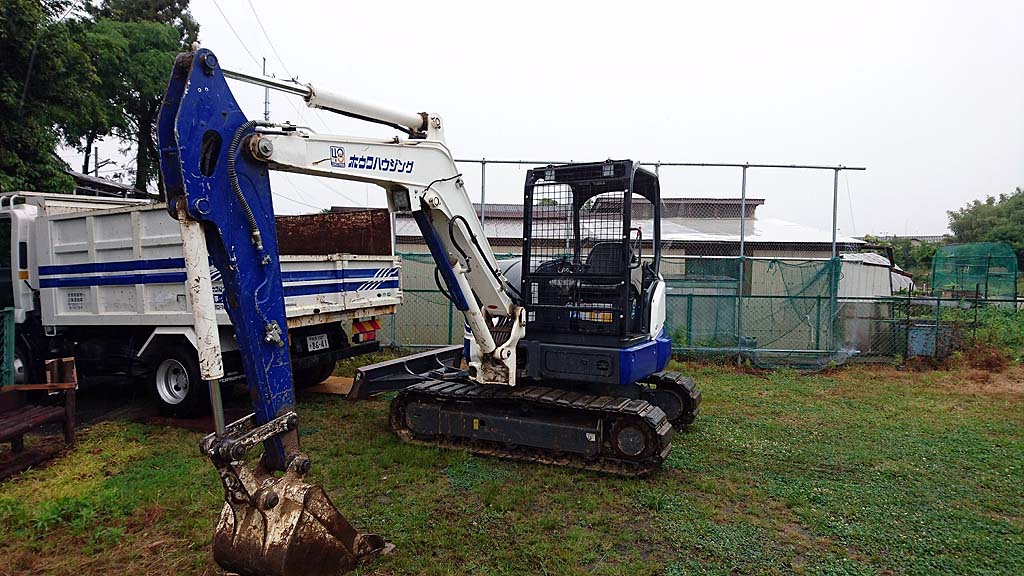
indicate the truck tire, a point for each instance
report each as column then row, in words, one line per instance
column 22, row 366
column 308, row 377
column 175, row 383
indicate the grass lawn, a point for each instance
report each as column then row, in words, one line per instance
column 861, row 471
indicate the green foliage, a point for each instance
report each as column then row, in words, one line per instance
column 173, row 13
column 1002, row 326
column 133, row 44
column 45, row 80
column 71, row 78
column 910, row 255
column 992, row 220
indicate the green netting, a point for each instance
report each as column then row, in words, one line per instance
column 982, row 270
column 784, row 314
column 770, row 312
column 7, row 341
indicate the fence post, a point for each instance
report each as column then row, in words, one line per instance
column 689, row 319
column 938, row 320
column 743, row 233
column 906, row 331
column 483, row 192
column 817, row 322
column 835, row 208
column 451, row 320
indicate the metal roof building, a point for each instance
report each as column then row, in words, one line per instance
column 694, row 226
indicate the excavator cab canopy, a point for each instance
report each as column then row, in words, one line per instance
column 591, row 250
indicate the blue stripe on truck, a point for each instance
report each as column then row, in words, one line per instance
column 118, row 266
column 119, row 280
column 179, row 263
column 309, row 289
column 71, row 276
column 337, row 274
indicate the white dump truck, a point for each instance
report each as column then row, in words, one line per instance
column 103, row 280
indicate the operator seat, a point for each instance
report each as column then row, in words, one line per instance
column 607, row 258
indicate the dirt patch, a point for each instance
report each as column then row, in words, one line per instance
column 927, row 364
column 1008, row 383
column 202, row 424
column 138, row 547
column 963, row 377
column 986, row 357
column 38, row 454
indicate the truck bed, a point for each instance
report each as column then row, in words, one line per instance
column 126, row 265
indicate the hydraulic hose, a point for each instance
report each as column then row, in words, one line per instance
column 254, row 229
column 476, row 242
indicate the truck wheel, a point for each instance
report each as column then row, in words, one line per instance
column 179, row 390
column 308, row 377
column 22, row 366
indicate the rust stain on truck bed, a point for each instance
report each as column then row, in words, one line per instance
column 353, row 232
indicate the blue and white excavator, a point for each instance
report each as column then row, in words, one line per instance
column 568, row 345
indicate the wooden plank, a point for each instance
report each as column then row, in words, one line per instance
column 56, row 386
column 17, row 424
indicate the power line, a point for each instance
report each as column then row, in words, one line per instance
column 271, row 43
column 323, row 184
column 257, row 62
column 237, row 37
column 297, row 201
column 338, row 192
column 283, row 65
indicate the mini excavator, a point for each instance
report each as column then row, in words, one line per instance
column 567, row 348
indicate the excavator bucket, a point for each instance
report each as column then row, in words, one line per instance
column 290, row 528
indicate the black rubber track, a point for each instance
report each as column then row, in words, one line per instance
column 685, row 389
column 610, row 409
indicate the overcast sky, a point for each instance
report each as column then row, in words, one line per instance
column 929, row 95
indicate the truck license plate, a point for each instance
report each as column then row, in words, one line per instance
column 316, row 342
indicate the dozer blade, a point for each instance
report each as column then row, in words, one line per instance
column 291, row 529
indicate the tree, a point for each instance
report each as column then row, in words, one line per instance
column 145, row 35
column 910, row 255
column 994, row 220
column 45, row 80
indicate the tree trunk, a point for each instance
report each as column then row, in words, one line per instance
column 89, row 139
column 144, row 155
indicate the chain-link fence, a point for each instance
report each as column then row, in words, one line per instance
column 741, row 282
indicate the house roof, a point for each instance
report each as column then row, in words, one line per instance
column 94, row 186
column 503, row 222
column 670, row 207
column 761, row 230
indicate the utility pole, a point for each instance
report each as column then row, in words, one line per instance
column 96, row 161
column 266, row 95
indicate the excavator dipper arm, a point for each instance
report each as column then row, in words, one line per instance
column 270, row 523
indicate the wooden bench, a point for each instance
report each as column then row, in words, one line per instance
column 19, row 418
